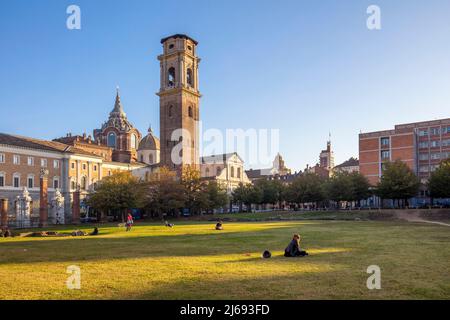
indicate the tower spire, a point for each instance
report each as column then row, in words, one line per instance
column 118, row 109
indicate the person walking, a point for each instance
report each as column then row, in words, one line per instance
column 130, row 222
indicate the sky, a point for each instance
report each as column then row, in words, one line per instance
column 307, row 68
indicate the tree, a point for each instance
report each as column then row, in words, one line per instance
column 194, row 187
column 272, row 190
column 247, row 194
column 439, row 183
column 339, row 188
column 216, row 195
column 344, row 186
column 119, row 192
column 360, row 187
column 306, row 188
column 398, row 182
column 164, row 193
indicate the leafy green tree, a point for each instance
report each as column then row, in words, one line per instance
column 360, row 187
column 118, row 192
column 339, row 188
column 216, row 195
column 247, row 194
column 439, row 183
column 398, row 182
column 272, row 191
column 195, row 197
column 307, row 188
column 164, row 192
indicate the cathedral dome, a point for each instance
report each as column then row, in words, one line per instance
column 149, row 142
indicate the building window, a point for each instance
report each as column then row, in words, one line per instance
column 239, row 173
column 55, row 183
column 16, row 159
column 73, row 185
column 190, row 113
column 207, row 172
column 30, row 182
column 384, row 141
column 2, row 158
column 95, row 167
column 171, row 46
column 2, row 179
column 218, row 171
column 150, row 158
column 232, row 172
column 423, row 133
column 423, row 169
column 385, row 154
column 16, row 180
column 171, row 77
column 56, row 164
column 189, row 79
column 72, row 165
column 133, row 141
column 112, row 140
column 83, row 183
column 446, row 143
column 30, row 161
column 84, row 166
column 435, row 156
column 423, row 156
column 170, row 111
column 433, row 167
column 423, row 144
column 142, row 158
column 44, row 163
column 435, row 131
column 435, row 144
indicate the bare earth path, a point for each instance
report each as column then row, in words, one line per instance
column 415, row 217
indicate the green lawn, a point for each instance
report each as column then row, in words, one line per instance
column 193, row 261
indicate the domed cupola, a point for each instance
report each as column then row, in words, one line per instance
column 119, row 134
column 148, row 151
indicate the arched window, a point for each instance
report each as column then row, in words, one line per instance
column 189, row 78
column 142, row 158
column 232, row 172
column 83, row 183
column 190, row 113
column 207, row 172
column 239, row 173
column 133, row 141
column 218, row 171
column 112, row 140
column 171, row 77
column 150, row 158
column 170, row 111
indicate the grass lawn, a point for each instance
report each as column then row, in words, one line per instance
column 193, row 261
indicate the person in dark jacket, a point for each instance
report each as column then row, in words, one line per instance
column 293, row 249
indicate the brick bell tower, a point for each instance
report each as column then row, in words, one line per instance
column 179, row 99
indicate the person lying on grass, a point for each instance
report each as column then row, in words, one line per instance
column 293, row 249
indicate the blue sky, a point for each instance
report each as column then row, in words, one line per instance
column 305, row 67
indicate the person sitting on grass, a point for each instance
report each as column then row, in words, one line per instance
column 219, row 225
column 95, row 232
column 293, row 249
column 169, row 225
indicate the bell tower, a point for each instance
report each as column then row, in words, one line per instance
column 179, row 99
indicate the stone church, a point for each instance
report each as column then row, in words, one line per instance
column 74, row 164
